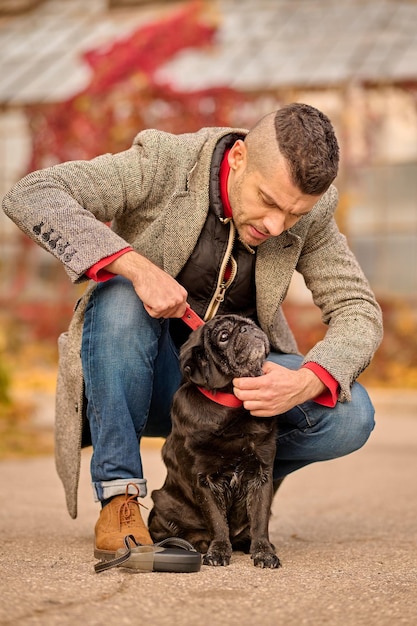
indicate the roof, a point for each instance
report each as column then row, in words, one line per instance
column 259, row 44
column 310, row 43
column 41, row 51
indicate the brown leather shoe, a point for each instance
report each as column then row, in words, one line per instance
column 120, row 517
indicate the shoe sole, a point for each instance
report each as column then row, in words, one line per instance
column 103, row 555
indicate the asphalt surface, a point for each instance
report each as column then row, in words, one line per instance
column 345, row 530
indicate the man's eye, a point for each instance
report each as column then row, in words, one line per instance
column 268, row 202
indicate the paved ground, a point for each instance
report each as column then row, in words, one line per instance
column 346, row 532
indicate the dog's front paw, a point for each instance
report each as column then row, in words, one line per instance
column 266, row 559
column 216, row 558
column 219, row 553
column 263, row 554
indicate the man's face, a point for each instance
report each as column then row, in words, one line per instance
column 264, row 204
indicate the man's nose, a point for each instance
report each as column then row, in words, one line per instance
column 275, row 224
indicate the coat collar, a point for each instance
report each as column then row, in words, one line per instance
column 187, row 210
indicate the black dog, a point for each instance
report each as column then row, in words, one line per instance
column 218, row 489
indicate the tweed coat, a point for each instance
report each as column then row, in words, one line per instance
column 156, row 196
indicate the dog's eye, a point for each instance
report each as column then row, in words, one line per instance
column 223, row 336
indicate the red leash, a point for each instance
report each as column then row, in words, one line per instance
column 192, row 320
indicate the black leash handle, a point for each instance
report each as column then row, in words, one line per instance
column 169, row 542
column 104, row 565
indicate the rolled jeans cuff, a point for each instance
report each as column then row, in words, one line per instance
column 107, row 489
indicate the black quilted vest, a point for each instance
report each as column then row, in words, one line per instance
column 200, row 275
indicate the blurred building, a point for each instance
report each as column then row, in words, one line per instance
column 356, row 60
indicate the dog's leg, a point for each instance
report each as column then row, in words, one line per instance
column 259, row 509
column 214, row 510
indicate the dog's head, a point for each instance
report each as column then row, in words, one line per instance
column 224, row 348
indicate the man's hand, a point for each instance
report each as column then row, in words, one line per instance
column 162, row 295
column 278, row 390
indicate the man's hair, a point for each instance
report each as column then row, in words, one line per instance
column 307, row 141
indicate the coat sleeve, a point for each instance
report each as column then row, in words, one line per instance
column 345, row 298
column 65, row 208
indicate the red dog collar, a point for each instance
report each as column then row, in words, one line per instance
column 192, row 320
column 226, row 399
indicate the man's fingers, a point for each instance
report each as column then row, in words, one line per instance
column 246, row 384
column 164, row 312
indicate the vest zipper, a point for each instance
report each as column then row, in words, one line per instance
column 222, row 284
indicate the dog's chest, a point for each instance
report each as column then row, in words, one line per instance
column 232, row 467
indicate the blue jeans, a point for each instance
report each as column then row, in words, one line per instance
column 131, row 372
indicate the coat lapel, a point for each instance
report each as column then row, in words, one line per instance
column 185, row 219
column 275, row 264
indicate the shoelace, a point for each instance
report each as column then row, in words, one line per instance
column 128, row 507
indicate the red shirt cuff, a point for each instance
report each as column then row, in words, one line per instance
column 329, row 395
column 98, row 272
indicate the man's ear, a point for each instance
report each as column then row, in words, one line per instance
column 237, row 155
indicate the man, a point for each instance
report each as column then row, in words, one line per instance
column 219, row 219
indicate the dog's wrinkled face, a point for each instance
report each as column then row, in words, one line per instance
column 226, row 347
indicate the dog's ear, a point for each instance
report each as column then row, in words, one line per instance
column 200, row 370
column 192, row 358
column 195, row 366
